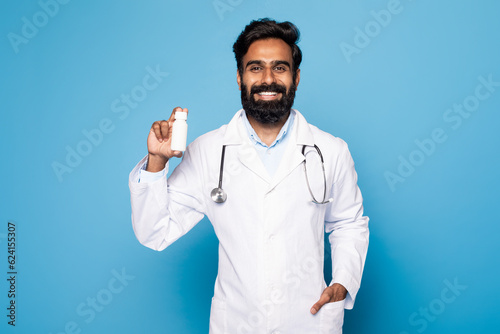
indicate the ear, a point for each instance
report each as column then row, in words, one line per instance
column 297, row 79
column 238, row 78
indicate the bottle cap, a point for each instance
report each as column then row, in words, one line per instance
column 181, row 115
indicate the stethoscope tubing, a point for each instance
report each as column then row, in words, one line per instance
column 222, row 165
column 219, row 195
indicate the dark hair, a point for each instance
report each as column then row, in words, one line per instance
column 267, row 28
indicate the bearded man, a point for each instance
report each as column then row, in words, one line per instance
column 271, row 184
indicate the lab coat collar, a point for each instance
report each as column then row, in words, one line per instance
column 236, row 134
column 303, row 133
column 235, row 131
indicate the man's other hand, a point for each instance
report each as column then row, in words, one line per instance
column 331, row 294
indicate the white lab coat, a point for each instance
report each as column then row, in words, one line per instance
column 271, row 235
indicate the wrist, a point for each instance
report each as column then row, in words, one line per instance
column 155, row 163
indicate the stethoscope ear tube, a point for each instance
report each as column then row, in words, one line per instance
column 317, row 150
column 324, row 201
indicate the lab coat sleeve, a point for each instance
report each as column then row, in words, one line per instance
column 348, row 227
column 163, row 211
column 145, row 176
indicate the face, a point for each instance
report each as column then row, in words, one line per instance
column 267, row 84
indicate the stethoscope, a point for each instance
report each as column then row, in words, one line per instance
column 219, row 195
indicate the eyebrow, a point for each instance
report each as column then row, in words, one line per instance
column 274, row 63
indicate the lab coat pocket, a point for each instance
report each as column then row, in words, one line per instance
column 217, row 317
column 332, row 317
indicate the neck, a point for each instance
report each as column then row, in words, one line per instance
column 267, row 132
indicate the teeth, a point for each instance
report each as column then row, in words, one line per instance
column 268, row 93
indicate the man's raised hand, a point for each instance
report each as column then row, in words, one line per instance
column 159, row 140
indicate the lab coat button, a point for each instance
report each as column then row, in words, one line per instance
column 271, row 237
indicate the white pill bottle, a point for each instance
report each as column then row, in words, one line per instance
column 179, row 132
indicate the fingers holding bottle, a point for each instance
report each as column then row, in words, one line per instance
column 159, row 142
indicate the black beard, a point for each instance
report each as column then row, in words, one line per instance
column 267, row 112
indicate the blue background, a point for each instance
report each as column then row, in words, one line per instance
column 438, row 227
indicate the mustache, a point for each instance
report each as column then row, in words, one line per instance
column 274, row 87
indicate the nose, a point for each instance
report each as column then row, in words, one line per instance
column 268, row 76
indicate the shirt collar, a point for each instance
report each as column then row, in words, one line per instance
column 285, row 129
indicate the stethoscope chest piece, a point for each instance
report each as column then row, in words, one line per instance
column 218, row 195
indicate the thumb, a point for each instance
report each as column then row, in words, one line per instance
column 177, row 154
column 322, row 301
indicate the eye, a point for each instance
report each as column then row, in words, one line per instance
column 280, row 68
column 255, row 68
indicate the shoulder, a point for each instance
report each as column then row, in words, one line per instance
column 332, row 146
column 208, row 142
column 217, row 137
column 335, row 151
column 323, row 137
column 309, row 133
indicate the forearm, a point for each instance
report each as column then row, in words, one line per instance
column 349, row 244
column 150, row 217
column 163, row 211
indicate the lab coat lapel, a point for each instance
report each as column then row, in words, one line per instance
column 249, row 158
column 247, row 154
column 290, row 160
column 301, row 135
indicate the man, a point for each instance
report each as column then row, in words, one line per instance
column 271, row 225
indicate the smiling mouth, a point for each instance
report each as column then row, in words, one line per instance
column 268, row 95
